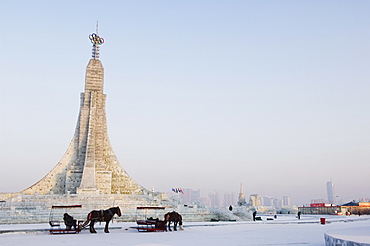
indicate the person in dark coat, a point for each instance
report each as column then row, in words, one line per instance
column 69, row 221
column 254, row 215
column 299, row 215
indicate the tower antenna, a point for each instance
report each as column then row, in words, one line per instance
column 96, row 40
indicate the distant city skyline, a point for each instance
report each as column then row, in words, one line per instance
column 224, row 200
column 204, row 94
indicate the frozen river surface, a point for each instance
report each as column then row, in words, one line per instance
column 285, row 230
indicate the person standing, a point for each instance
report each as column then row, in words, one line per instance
column 254, row 215
column 299, row 215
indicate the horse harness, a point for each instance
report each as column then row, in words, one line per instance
column 100, row 215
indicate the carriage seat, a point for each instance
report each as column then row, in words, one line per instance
column 151, row 218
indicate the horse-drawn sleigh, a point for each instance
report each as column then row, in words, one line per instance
column 153, row 223
column 74, row 226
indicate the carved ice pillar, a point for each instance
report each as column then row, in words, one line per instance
column 93, row 106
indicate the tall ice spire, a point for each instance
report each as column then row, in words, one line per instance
column 89, row 165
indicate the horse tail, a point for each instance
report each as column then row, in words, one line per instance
column 166, row 217
column 180, row 222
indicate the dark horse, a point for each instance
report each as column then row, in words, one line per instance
column 101, row 216
column 174, row 217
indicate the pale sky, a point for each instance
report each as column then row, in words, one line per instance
column 200, row 94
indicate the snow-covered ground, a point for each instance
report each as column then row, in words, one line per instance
column 285, row 230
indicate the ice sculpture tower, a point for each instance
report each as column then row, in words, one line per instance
column 89, row 165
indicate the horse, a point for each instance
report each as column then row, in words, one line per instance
column 175, row 218
column 102, row 216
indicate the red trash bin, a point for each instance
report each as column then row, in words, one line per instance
column 322, row 220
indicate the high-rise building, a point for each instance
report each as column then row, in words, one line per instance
column 277, row 203
column 286, row 201
column 229, row 199
column 331, row 192
column 206, row 200
column 268, row 201
column 190, row 196
column 215, row 200
column 241, row 198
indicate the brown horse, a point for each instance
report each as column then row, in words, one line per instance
column 174, row 217
column 102, row 216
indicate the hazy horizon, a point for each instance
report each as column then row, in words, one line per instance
column 200, row 94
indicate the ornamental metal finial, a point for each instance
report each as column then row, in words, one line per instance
column 96, row 41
